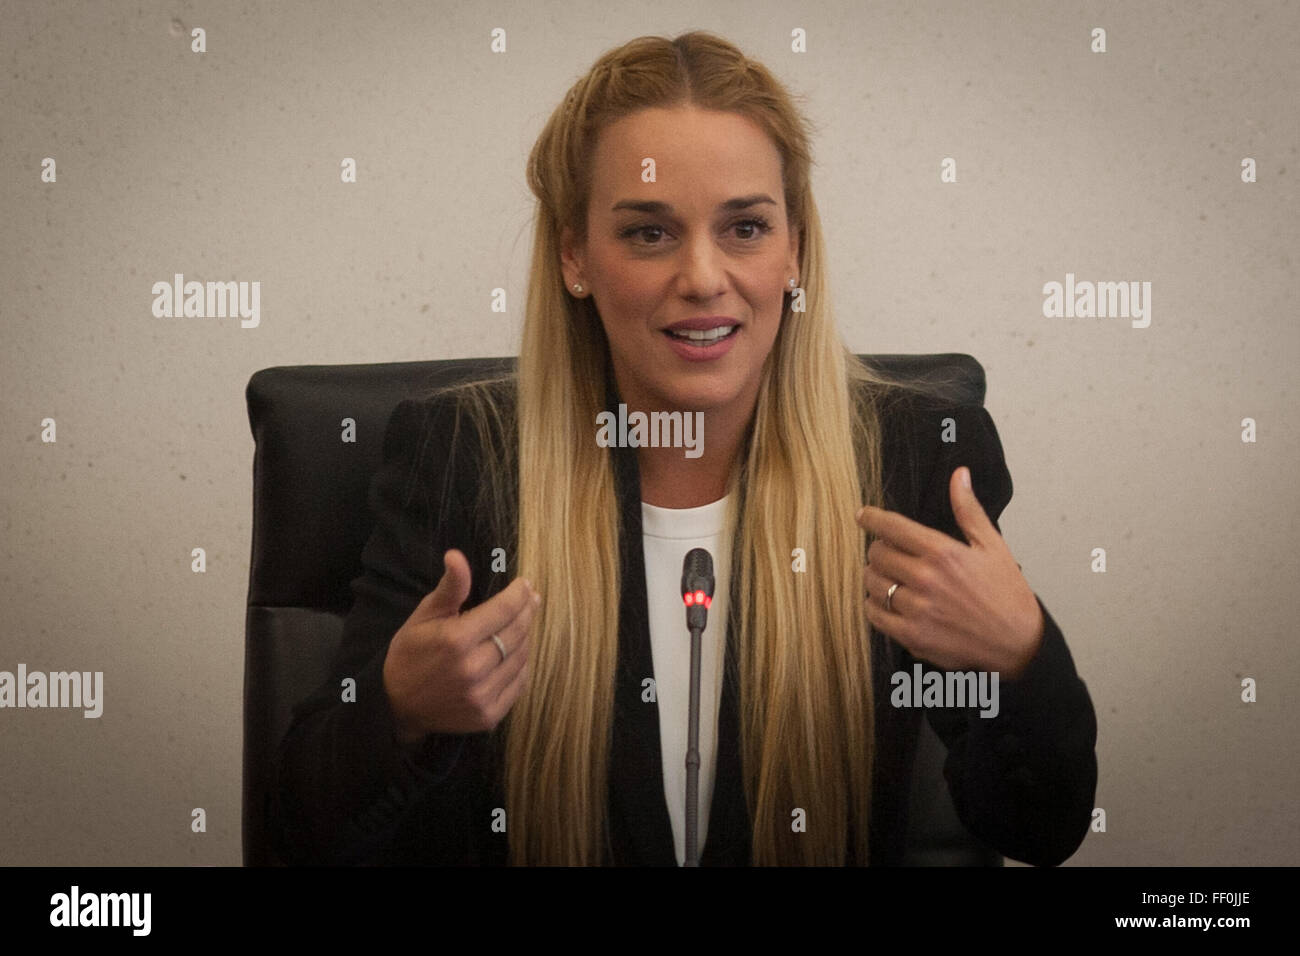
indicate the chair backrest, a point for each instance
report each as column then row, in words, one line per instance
column 311, row 522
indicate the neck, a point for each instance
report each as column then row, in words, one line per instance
column 671, row 480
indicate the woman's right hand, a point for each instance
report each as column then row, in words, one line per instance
column 443, row 672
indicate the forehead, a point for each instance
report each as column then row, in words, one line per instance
column 693, row 150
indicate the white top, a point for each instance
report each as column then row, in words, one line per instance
column 667, row 534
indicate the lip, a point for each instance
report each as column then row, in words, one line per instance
column 701, row 353
column 701, row 323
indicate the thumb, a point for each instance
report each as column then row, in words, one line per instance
column 966, row 508
column 453, row 588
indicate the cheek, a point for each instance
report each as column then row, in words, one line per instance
column 622, row 313
column 630, row 300
column 774, row 305
column 774, row 292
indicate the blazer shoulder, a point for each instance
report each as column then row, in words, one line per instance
column 923, row 440
column 417, row 440
column 442, row 440
column 458, row 450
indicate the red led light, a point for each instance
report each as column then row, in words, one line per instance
column 695, row 598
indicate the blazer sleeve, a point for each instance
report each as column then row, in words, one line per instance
column 1024, row 780
column 345, row 781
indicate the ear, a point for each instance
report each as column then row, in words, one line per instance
column 572, row 257
column 792, row 264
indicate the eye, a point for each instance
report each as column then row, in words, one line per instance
column 631, row 231
column 754, row 222
column 758, row 223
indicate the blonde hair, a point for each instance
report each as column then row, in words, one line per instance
column 811, row 458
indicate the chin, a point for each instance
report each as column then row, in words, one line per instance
column 703, row 395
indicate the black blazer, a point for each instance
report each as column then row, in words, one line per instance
column 348, row 792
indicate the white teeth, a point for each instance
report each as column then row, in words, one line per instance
column 705, row 335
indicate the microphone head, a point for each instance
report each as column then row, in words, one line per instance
column 697, row 578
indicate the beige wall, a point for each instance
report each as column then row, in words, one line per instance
column 1123, row 165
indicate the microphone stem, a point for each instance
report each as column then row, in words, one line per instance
column 693, row 755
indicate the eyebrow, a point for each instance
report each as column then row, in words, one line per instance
column 654, row 206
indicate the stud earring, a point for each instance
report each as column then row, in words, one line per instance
column 577, row 287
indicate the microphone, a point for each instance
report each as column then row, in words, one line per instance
column 697, row 595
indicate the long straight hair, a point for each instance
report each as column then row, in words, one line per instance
column 811, row 458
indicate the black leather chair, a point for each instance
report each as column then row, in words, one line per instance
column 311, row 522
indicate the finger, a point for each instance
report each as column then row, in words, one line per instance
column 506, row 670
column 486, row 657
column 452, row 591
column 891, row 623
column 901, row 532
column 903, row 605
column 515, row 634
column 894, row 565
column 495, row 614
column 877, row 585
column 967, row 510
column 511, row 692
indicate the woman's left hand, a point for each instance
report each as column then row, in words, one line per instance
column 959, row 606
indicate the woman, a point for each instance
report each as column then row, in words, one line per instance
column 678, row 266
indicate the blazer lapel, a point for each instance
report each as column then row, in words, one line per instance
column 728, row 842
column 640, row 827
column 728, row 839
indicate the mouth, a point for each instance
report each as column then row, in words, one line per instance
column 707, row 344
column 702, row 338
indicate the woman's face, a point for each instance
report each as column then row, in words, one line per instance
column 708, row 240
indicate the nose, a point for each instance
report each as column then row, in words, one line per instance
column 702, row 273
